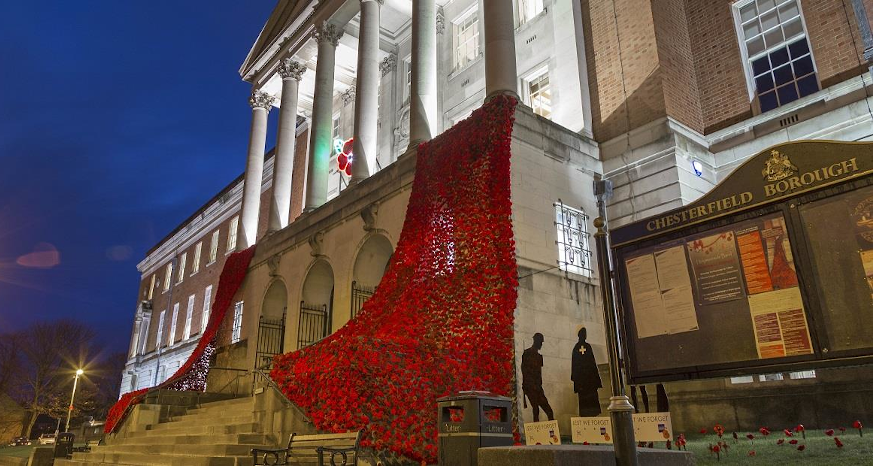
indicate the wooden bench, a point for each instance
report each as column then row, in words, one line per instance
column 320, row 450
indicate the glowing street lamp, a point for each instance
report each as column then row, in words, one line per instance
column 70, row 412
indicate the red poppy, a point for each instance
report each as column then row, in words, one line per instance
column 793, row 441
column 750, row 436
column 780, row 441
column 702, row 431
column 857, row 424
column 764, row 431
column 838, row 442
column 829, row 432
column 799, row 428
column 787, row 433
column 752, row 453
column 801, row 447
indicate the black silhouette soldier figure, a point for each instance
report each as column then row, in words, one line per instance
column 585, row 376
column 532, row 379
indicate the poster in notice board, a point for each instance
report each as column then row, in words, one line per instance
column 724, row 295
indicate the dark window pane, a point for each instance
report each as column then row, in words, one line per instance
column 787, row 94
column 799, row 48
column 783, row 75
column 779, row 57
column 768, row 101
column 764, row 82
column 760, row 65
column 808, row 85
column 803, row 66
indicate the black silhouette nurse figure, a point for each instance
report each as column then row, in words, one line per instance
column 585, row 376
column 532, row 379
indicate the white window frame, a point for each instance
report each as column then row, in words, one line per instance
column 457, row 24
column 168, row 280
column 539, row 73
column 213, row 247
column 236, row 330
column 151, row 292
column 180, row 275
column 189, row 314
column 207, row 308
column 195, row 266
column 171, row 338
column 145, row 332
column 407, row 83
column 524, row 16
column 567, row 262
column 741, row 39
column 232, row 233
column 160, row 330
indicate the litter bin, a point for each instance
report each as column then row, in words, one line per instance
column 64, row 445
column 470, row 420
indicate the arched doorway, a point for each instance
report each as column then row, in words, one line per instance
column 370, row 265
column 271, row 325
column 316, row 305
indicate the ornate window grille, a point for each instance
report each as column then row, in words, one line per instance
column 574, row 253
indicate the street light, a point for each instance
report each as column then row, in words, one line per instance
column 70, row 412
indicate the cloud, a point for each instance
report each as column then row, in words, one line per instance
column 44, row 256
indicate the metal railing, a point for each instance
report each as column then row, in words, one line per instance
column 314, row 324
column 360, row 295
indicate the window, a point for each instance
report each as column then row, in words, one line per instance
column 802, row 375
column 779, row 65
column 407, row 88
column 145, row 333
column 237, row 322
column 195, row 267
column 337, row 129
column 213, row 247
column 540, row 93
column 771, row 377
column 160, row 330
column 188, row 315
column 742, row 379
column 466, row 40
column 171, row 338
column 528, row 9
column 182, row 262
column 574, row 254
column 207, row 306
column 231, row 234
column 151, row 291
column 169, row 277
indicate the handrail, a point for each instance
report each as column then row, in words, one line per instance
column 270, row 383
column 243, row 373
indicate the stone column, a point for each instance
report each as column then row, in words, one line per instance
column 423, row 94
column 261, row 103
column 501, row 75
column 367, row 97
column 291, row 72
column 320, row 144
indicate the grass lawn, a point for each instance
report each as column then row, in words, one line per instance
column 18, row 452
column 820, row 449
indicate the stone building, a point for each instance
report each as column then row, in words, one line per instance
column 663, row 99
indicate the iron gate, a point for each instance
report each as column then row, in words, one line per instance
column 314, row 324
column 271, row 340
column 360, row 294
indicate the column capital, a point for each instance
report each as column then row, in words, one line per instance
column 380, row 2
column 291, row 68
column 440, row 20
column 388, row 64
column 261, row 99
column 328, row 33
column 349, row 95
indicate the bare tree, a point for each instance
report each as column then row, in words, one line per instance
column 50, row 352
column 9, row 360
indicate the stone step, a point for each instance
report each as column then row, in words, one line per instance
column 200, row 419
column 139, row 459
column 181, row 449
column 226, row 405
column 248, row 438
column 217, row 410
column 181, row 429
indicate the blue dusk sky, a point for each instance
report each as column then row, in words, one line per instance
column 119, row 120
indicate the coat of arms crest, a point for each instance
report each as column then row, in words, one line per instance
column 778, row 167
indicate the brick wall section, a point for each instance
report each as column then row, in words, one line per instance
column 634, row 40
column 836, row 43
column 678, row 73
column 298, row 180
column 724, row 98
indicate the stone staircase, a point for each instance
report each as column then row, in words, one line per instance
column 219, row 433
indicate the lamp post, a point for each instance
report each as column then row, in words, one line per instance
column 70, row 412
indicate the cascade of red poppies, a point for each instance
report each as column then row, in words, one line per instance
column 441, row 320
column 192, row 375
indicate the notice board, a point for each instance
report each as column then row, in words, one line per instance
column 772, row 270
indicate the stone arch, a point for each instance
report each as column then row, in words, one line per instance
column 369, row 267
column 275, row 301
column 316, row 304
